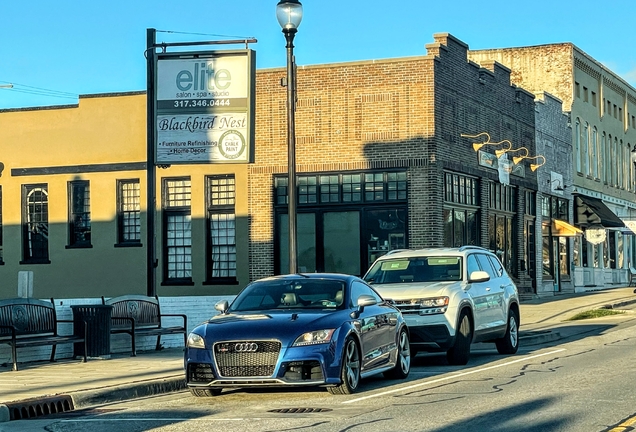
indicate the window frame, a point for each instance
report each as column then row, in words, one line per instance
column 31, row 258
column 1, row 230
column 224, row 205
column 75, row 232
column 169, row 211
column 122, row 204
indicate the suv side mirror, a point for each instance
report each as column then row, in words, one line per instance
column 478, row 276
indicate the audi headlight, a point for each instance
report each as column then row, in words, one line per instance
column 314, row 337
column 435, row 305
column 195, row 341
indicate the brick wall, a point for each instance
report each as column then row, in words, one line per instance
column 405, row 112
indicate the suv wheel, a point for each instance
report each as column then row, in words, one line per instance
column 459, row 353
column 509, row 344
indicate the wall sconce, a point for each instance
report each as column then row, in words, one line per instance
column 517, row 159
column 534, row 167
column 477, row 146
column 559, row 185
column 510, row 150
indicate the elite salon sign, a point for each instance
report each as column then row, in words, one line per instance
column 205, row 107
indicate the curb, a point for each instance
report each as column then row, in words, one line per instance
column 36, row 407
column 538, row 337
column 86, row 398
column 619, row 304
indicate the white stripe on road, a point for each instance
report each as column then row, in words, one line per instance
column 401, row 389
column 104, row 420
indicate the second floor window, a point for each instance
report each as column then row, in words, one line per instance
column 221, row 196
column 128, row 212
column 177, row 227
column 1, row 251
column 79, row 215
column 35, row 223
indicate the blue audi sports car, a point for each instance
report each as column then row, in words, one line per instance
column 312, row 329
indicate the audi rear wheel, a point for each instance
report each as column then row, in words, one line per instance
column 403, row 364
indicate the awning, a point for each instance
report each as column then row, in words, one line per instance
column 630, row 227
column 592, row 211
column 563, row 229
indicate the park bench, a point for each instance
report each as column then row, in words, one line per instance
column 139, row 315
column 28, row 322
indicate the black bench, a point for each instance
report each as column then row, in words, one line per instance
column 139, row 315
column 28, row 322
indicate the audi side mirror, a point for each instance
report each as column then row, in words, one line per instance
column 222, row 306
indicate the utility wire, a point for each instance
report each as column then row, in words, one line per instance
column 26, row 89
column 205, row 34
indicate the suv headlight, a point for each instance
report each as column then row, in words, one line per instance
column 314, row 337
column 195, row 341
column 435, row 305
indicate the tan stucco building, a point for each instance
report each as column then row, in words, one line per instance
column 74, row 193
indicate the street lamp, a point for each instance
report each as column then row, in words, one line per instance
column 289, row 14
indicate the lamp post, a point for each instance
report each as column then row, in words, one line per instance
column 289, row 14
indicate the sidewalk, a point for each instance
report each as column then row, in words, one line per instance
column 43, row 387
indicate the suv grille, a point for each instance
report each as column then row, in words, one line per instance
column 406, row 307
column 246, row 359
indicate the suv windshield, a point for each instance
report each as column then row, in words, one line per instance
column 290, row 294
column 419, row 269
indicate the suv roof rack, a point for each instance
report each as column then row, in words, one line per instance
column 392, row 251
column 466, row 247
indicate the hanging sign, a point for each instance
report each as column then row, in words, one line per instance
column 595, row 234
column 205, row 107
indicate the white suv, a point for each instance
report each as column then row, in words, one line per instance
column 450, row 298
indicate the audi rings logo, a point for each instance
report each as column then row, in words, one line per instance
column 246, row 347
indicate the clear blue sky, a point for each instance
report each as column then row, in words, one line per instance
column 71, row 47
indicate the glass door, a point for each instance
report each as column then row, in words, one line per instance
column 341, row 242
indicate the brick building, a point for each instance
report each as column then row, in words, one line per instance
column 382, row 164
column 602, row 109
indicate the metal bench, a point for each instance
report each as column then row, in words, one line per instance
column 28, row 322
column 139, row 315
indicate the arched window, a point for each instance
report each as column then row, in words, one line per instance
column 603, row 160
column 615, row 158
column 621, row 165
column 577, row 145
column 596, row 159
column 611, row 173
column 585, row 146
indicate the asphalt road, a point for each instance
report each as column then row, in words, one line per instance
column 581, row 384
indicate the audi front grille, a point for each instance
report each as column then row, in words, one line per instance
column 246, row 358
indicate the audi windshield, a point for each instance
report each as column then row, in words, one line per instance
column 287, row 294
